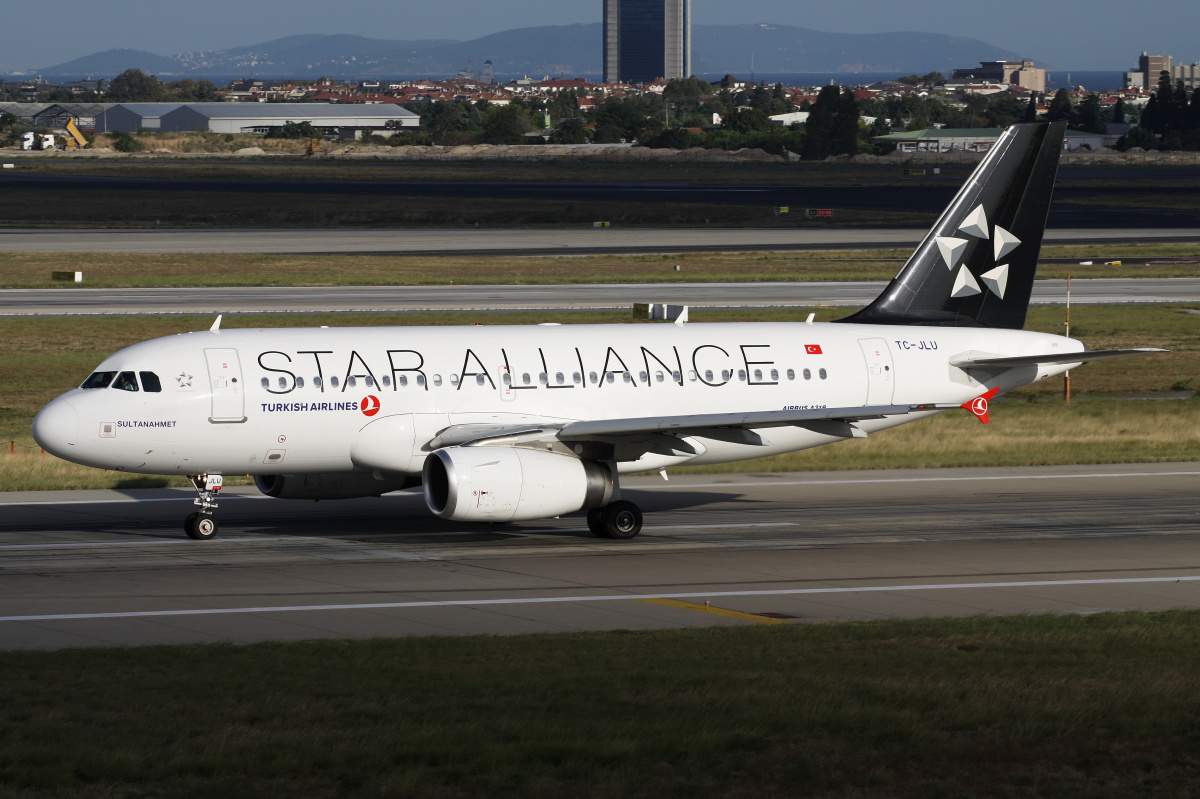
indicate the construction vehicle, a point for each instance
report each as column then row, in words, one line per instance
column 73, row 137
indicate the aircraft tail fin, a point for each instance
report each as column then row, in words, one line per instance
column 976, row 266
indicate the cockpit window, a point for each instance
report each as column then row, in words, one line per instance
column 99, row 380
column 126, row 382
column 150, row 382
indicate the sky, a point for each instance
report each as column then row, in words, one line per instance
column 1097, row 35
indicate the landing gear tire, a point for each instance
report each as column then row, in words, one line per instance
column 622, row 520
column 200, row 526
column 595, row 521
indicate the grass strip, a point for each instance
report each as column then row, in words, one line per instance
column 44, row 357
column 1098, row 706
column 103, row 270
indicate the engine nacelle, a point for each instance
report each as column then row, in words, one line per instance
column 509, row 484
column 331, row 485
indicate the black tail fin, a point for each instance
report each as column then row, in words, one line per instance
column 976, row 267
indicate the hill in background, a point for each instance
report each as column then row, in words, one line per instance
column 551, row 50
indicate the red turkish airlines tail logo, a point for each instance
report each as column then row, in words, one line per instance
column 979, row 405
column 370, row 405
column 812, row 349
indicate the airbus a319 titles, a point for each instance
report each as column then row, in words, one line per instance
column 508, row 423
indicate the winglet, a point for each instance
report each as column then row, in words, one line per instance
column 979, row 405
column 216, row 326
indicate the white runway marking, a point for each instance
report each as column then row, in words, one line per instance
column 766, row 483
column 865, row 589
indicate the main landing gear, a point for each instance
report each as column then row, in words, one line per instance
column 621, row 519
column 202, row 525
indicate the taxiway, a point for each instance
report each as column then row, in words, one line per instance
column 113, row 567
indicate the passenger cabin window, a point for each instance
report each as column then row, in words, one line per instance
column 316, row 382
column 578, row 378
column 403, row 380
column 506, row 378
column 823, row 374
column 369, row 381
column 283, row 382
column 593, row 378
column 437, row 380
column 126, row 382
column 525, row 378
column 387, row 381
column 266, row 383
column 645, row 378
column 454, row 380
column 558, row 378
column 677, row 377
column 742, row 375
column 99, row 380
column 420, row 380
column 299, row 382
column 542, row 378
column 350, row 382
column 150, row 382
column 807, row 374
column 479, row 380
column 791, row 373
column 333, row 381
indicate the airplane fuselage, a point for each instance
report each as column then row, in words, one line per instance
column 286, row 401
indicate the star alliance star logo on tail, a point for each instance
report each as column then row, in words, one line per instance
column 952, row 248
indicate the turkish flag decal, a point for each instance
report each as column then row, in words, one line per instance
column 812, row 349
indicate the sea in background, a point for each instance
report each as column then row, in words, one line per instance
column 1093, row 81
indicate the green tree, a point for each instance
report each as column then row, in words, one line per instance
column 746, row 120
column 1031, row 112
column 125, row 143
column 570, row 131
column 1118, row 112
column 1091, row 117
column 1060, row 107
column 818, row 141
column 295, row 130
column 845, row 125
column 132, row 86
column 506, row 125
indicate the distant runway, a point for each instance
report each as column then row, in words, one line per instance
column 538, row 241
column 387, row 299
column 113, row 567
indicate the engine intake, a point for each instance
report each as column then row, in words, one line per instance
column 332, row 485
column 508, row 484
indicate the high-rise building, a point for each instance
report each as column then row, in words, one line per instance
column 647, row 39
column 1149, row 68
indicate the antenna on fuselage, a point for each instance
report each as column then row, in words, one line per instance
column 216, row 326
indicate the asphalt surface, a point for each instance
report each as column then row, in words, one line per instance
column 928, row 197
column 256, row 299
column 98, row 568
column 544, row 241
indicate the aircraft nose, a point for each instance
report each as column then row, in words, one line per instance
column 56, row 428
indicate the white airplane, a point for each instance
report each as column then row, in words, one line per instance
column 506, row 424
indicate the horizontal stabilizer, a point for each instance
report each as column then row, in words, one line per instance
column 1058, row 357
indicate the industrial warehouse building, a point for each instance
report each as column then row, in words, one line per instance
column 344, row 119
column 132, row 117
column 972, row 140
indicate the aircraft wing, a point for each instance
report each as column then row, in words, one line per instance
column 659, row 431
column 1062, row 357
column 711, row 424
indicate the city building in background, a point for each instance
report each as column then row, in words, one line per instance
column 1008, row 73
column 647, row 39
column 1148, row 69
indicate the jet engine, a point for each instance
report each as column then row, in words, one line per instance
column 332, row 485
column 510, row 484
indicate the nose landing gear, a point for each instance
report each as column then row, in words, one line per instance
column 202, row 525
column 621, row 519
